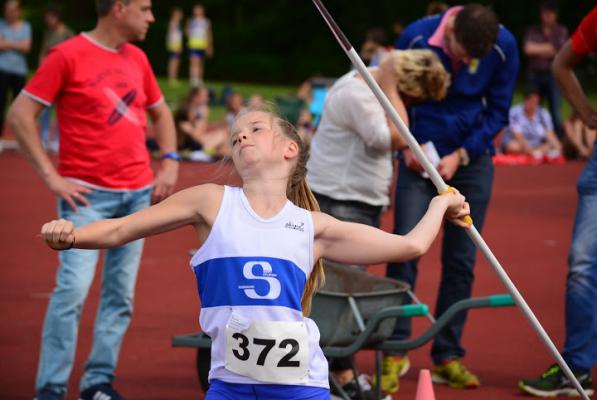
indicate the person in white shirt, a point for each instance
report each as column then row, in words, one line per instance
column 350, row 169
column 351, row 151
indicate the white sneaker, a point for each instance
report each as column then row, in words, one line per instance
column 9, row 144
column 200, row 156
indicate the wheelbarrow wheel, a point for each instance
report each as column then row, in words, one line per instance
column 203, row 364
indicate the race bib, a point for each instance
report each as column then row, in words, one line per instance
column 271, row 351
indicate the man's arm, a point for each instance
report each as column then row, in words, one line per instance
column 23, row 46
column 536, row 48
column 165, row 135
column 210, row 41
column 545, row 50
column 562, row 69
column 22, row 118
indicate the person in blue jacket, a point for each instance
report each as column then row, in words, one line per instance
column 482, row 58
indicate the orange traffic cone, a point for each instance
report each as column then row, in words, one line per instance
column 424, row 386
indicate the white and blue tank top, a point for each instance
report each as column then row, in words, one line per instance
column 250, row 274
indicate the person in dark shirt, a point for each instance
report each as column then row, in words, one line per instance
column 541, row 43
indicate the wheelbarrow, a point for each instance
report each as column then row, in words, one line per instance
column 354, row 311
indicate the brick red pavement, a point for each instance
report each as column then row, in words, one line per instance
column 528, row 228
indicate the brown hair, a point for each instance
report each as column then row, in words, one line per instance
column 299, row 193
column 476, row 28
column 421, row 74
column 103, row 7
column 54, row 10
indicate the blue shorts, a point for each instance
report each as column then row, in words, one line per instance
column 197, row 53
column 174, row 54
column 219, row 390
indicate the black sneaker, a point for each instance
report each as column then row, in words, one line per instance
column 554, row 383
column 352, row 390
column 103, row 391
column 46, row 394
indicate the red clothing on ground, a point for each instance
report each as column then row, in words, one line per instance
column 584, row 40
column 101, row 96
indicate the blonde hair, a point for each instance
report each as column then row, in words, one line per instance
column 421, row 75
column 298, row 192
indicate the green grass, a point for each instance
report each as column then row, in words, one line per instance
column 174, row 94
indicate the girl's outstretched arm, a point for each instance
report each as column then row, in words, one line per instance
column 348, row 242
column 194, row 206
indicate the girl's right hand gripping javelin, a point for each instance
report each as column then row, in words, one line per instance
column 457, row 209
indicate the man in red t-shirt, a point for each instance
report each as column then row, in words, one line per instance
column 580, row 347
column 103, row 87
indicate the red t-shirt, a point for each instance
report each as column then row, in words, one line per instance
column 101, row 96
column 584, row 40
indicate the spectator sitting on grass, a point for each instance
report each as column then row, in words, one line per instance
column 234, row 105
column 530, row 130
column 192, row 132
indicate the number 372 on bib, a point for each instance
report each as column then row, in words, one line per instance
column 269, row 351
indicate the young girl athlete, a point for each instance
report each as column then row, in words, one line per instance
column 260, row 259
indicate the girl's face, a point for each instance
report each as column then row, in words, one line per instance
column 256, row 138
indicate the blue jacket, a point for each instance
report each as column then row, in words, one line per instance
column 476, row 106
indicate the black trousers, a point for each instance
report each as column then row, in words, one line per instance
column 9, row 83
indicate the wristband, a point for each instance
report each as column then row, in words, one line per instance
column 464, row 158
column 173, row 155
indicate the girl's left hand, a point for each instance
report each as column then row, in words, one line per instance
column 59, row 234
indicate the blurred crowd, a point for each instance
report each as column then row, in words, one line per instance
column 537, row 132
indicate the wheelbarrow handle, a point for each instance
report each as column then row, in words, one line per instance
column 410, row 310
column 499, row 300
column 414, row 310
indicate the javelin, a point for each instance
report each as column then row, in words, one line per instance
column 441, row 188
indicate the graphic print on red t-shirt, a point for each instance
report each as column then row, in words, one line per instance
column 122, row 106
column 101, row 98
